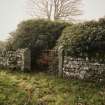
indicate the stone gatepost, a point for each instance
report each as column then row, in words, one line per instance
column 26, row 60
column 61, row 61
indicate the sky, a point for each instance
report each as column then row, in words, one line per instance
column 12, row 12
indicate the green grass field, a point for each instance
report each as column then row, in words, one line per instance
column 42, row 89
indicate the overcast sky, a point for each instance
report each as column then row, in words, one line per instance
column 13, row 12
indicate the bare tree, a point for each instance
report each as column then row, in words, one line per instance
column 55, row 9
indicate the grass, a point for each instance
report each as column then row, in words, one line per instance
column 44, row 89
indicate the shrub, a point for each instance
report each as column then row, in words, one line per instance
column 85, row 39
column 37, row 35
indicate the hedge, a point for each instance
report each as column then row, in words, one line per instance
column 85, row 39
column 38, row 35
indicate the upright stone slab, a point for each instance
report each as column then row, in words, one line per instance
column 61, row 60
column 26, row 60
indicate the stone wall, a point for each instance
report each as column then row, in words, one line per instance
column 19, row 59
column 83, row 69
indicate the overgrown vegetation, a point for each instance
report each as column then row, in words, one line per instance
column 36, row 35
column 42, row 89
column 85, row 39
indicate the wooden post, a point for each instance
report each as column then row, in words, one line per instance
column 61, row 60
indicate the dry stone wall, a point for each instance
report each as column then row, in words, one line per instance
column 83, row 69
column 19, row 59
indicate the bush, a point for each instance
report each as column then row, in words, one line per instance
column 37, row 35
column 85, row 39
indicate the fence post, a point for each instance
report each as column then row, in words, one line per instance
column 60, row 60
